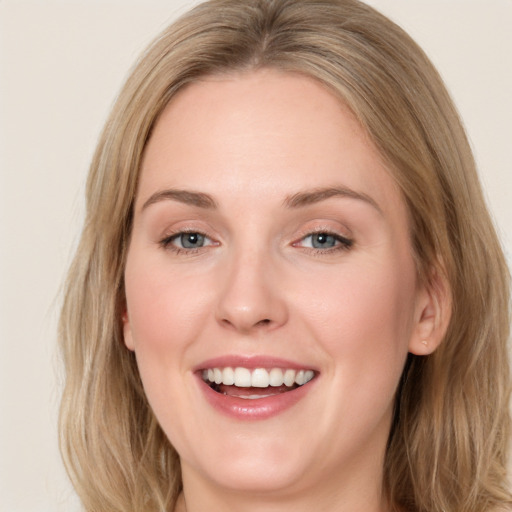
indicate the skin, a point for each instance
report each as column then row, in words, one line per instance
column 251, row 142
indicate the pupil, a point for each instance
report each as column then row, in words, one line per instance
column 191, row 240
column 323, row 240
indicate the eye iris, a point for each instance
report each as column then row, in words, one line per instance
column 321, row 240
column 192, row 240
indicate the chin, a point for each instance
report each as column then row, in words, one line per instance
column 252, row 464
column 256, row 477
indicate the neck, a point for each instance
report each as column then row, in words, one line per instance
column 348, row 493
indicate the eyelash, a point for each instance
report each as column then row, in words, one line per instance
column 343, row 243
column 167, row 242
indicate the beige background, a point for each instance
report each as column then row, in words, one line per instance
column 61, row 65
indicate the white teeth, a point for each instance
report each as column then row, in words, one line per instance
column 304, row 376
column 242, row 378
column 228, row 376
column 257, row 378
column 254, row 397
column 289, row 377
column 276, row 377
column 260, row 378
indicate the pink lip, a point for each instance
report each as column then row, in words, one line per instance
column 258, row 409
column 247, row 409
column 251, row 362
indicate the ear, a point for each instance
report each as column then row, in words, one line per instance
column 127, row 331
column 432, row 314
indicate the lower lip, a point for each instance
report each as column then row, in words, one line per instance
column 254, row 409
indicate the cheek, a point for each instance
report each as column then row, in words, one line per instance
column 166, row 315
column 363, row 318
column 364, row 326
column 166, row 309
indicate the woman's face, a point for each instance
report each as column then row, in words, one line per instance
column 269, row 245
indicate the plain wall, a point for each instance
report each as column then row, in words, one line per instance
column 61, row 66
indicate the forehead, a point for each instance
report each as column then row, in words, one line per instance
column 264, row 133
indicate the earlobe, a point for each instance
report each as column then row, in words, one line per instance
column 433, row 315
column 127, row 331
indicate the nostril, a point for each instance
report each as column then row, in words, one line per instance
column 246, row 327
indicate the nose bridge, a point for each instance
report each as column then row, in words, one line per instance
column 249, row 297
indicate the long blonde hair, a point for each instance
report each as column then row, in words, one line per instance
column 448, row 442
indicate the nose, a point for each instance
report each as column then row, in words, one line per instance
column 251, row 297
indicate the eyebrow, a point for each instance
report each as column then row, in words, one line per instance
column 309, row 197
column 298, row 200
column 198, row 199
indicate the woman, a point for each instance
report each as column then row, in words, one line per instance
column 288, row 292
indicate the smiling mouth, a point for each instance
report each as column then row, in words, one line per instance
column 257, row 383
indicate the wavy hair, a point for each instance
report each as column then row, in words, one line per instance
column 448, row 441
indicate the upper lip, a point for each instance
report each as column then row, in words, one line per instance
column 251, row 362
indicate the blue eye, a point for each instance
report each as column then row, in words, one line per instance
column 189, row 240
column 324, row 241
column 186, row 241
